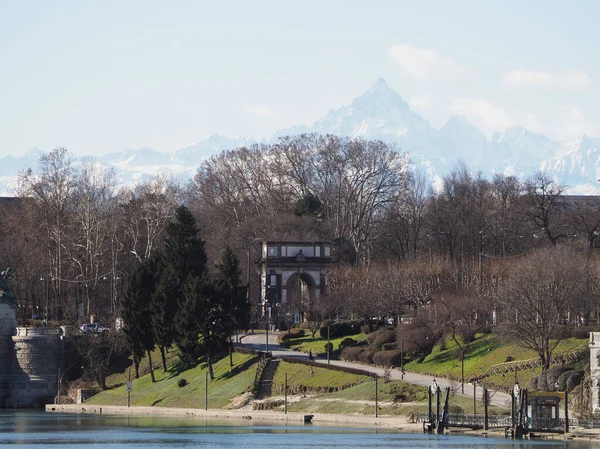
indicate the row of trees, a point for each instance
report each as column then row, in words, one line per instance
column 530, row 298
column 74, row 238
column 172, row 298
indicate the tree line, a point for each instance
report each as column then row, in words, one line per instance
column 74, row 239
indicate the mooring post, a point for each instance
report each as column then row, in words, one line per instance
column 429, row 413
column 567, row 411
column 485, row 408
column 437, row 405
column 285, row 400
column 376, row 397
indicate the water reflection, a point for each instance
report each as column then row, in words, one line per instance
column 36, row 429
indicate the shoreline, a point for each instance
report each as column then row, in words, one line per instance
column 295, row 418
column 387, row 422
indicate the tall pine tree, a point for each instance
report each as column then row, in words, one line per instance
column 183, row 260
column 232, row 295
column 136, row 312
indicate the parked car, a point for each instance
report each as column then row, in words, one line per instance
column 96, row 328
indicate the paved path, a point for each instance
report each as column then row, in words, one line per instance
column 257, row 341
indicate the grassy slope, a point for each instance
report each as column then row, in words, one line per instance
column 356, row 395
column 485, row 351
column 165, row 392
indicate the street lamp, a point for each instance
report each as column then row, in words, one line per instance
column 45, row 287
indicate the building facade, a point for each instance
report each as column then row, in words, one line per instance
column 292, row 275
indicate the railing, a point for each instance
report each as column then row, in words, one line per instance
column 585, row 423
column 471, row 421
column 547, row 425
column 516, row 365
column 36, row 331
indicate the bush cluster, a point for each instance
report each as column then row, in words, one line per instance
column 347, row 342
column 388, row 358
column 339, row 329
column 351, row 353
column 562, row 375
column 381, row 336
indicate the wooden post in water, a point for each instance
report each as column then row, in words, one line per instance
column 485, row 409
column 376, row 397
column 285, row 400
column 567, row 411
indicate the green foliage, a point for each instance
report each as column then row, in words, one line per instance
column 347, row 342
column 136, row 308
column 309, row 204
column 183, row 268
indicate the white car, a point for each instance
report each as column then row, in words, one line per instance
column 96, row 328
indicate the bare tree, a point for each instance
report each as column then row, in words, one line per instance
column 538, row 292
column 53, row 191
column 464, row 316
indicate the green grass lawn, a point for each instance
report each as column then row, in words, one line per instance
column 485, row 351
column 165, row 392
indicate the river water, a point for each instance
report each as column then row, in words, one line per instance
column 22, row 429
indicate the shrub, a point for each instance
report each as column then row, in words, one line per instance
column 351, row 353
column 339, row 329
column 297, row 333
column 547, row 379
column 534, row 383
column 381, row 336
column 330, row 347
column 181, row 382
column 387, row 358
column 284, row 336
column 389, row 346
column 575, row 379
column 347, row 342
column 561, row 332
column 581, row 332
column 366, row 356
column 570, row 379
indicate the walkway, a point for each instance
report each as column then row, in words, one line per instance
column 257, row 342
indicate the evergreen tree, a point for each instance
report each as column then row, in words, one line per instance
column 232, row 295
column 136, row 312
column 164, row 308
column 183, row 260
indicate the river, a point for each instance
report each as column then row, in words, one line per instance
column 26, row 429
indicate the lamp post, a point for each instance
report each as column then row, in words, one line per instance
column 45, row 290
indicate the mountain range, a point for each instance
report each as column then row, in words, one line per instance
column 380, row 113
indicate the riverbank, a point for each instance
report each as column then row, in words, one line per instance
column 321, row 419
column 244, row 417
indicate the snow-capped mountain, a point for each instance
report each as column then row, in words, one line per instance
column 380, row 113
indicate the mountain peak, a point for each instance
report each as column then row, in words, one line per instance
column 379, row 98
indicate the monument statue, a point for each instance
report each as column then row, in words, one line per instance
column 5, row 291
column 8, row 322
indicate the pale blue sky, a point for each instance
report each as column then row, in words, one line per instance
column 101, row 76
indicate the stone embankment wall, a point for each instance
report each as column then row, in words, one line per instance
column 29, row 363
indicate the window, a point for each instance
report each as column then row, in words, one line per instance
column 272, row 251
column 273, row 281
column 327, row 251
column 317, row 251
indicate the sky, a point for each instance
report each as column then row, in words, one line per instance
column 101, row 76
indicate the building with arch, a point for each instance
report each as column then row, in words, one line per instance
column 292, row 274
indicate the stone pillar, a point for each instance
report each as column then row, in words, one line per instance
column 594, row 346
